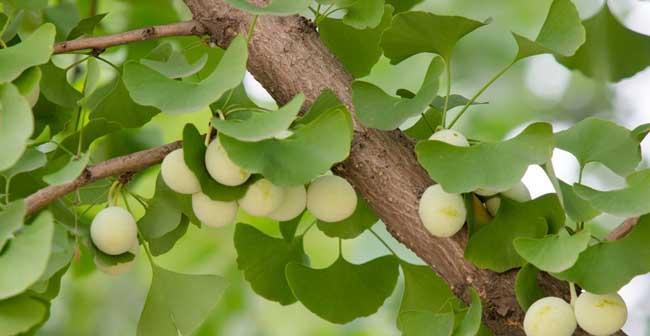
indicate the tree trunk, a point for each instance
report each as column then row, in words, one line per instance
column 287, row 57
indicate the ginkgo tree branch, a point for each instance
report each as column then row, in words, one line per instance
column 185, row 28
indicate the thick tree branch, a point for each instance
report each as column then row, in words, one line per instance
column 149, row 33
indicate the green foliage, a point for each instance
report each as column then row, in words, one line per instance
column 424, row 323
column 362, row 219
column 11, row 218
column 611, row 51
column 472, row 321
column 178, row 302
column 69, row 172
column 554, row 253
column 166, row 242
column 35, row 50
column 112, row 103
column 172, row 63
column 55, row 86
column 364, row 14
column 164, row 212
column 424, row 290
column 576, row 208
column 85, row 26
column 377, row 109
column 19, row 314
column 629, row 201
column 16, row 127
column 343, row 291
column 275, row 7
column 527, row 288
column 605, row 267
column 263, row 260
column 465, row 169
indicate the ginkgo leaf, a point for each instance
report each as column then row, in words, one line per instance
column 263, row 260
column 310, row 151
column 166, row 242
column 465, row 169
column 11, row 218
column 403, row 5
column 55, row 86
column 598, row 140
column 343, row 291
column 611, row 51
column 412, row 33
column 426, row 125
column 629, row 201
column 19, row 314
column 364, row 14
column 31, row 159
column 112, row 102
column 377, row 109
column 491, row 247
column 164, row 212
column 260, row 125
column 606, row 267
column 424, row 290
column 358, row 49
column 34, row 50
column 562, row 33
column 362, row 219
column 178, row 302
column 25, row 260
column 69, row 172
column 576, row 208
column 85, row 26
column 173, row 64
column 28, row 84
column 426, row 323
column 554, row 253
column 150, row 88
column 471, row 323
column 527, row 288
column 275, row 7
column 17, row 124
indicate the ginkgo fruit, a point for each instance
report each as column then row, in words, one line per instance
column 113, row 230
column 600, row 315
column 262, row 198
column 221, row 168
column 442, row 213
column 213, row 213
column 493, row 204
column 451, row 137
column 294, row 203
column 550, row 316
column 177, row 175
column 120, row 268
column 331, row 198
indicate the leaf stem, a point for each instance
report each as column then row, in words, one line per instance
column 340, row 248
column 146, row 250
column 3, row 44
column 444, row 110
column 7, row 184
column 76, row 63
column 251, row 29
column 119, row 72
column 480, row 92
column 384, row 243
column 574, row 295
column 426, row 120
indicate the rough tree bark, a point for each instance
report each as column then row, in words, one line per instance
column 287, row 57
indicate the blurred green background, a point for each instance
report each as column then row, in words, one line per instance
column 538, row 89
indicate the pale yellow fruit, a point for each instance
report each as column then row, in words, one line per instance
column 493, row 205
column 451, row 137
column 213, row 213
column 519, row 193
column 486, row 192
column 221, row 168
column 262, row 198
column 443, row 214
column 121, row 268
column 550, row 316
column 113, row 230
column 295, row 200
column 177, row 176
column 331, row 198
column 600, row 315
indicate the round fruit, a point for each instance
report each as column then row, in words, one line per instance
column 295, row 200
column 451, row 137
column 550, row 316
column 443, row 214
column 221, row 168
column 177, row 176
column 518, row 193
column 213, row 213
column 493, row 205
column 114, row 231
column 331, row 198
column 600, row 315
column 120, row 268
column 262, row 198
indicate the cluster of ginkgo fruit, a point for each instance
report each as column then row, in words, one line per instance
column 329, row 198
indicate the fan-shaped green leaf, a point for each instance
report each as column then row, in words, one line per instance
column 562, row 33
column 606, row 267
column 165, row 211
column 25, row 260
column 275, row 7
column 489, row 165
column 377, row 109
column 425, row 126
column 85, row 26
column 412, row 33
column 178, row 302
column 612, row 51
column 492, row 247
column 554, row 253
column 32, row 159
column 576, row 208
column 28, row 84
column 424, row 290
column 34, row 50
column 150, row 88
column 263, row 260
column 173, row 64
column 166, row 242
column 527, row 288
column 55, row 86
column 362, row 219
column 364, row 14
column 258, row 125
column 113, row 103
column 311, row 150
column 629, row 201
column 17, row 124
column 597, row 140
column 343, row 291
column 426, row 323
column 11, row 220
column 471, row 323
column 403, row 5
column 69, row 172
column 19, row 314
